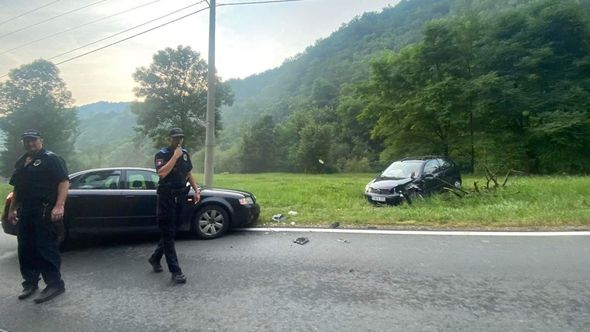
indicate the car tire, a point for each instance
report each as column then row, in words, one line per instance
column 413, row 196
column 210, row 222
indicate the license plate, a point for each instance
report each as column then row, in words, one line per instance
column 378, row 198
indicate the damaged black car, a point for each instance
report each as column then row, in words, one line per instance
column 411, row 178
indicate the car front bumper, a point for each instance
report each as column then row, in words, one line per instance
column 246, row 215
column 392, row 199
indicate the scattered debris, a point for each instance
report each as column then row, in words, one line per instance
column 278, row 217
column 343, row 241
column 301, row 240
column 335, row 225
column 351, row 270
column 292, row 213
column 292, row 223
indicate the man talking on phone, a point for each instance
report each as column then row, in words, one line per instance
column 174, row 166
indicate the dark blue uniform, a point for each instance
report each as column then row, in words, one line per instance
column 35, row 186
column 172, row 191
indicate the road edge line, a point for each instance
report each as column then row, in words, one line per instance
column 402, row 232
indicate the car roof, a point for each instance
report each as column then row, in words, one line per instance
column 112, row 169
column 422, row 158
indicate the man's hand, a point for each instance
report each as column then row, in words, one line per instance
column 197, row 195
column 177, row 152
column 57, row 213
column 12, row 217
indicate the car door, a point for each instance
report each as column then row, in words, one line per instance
column 446, row 173
column 431, row 175
column 139, row 195
column 94, row 201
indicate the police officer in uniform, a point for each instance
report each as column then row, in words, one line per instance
column 41, row 184
column 174, row 166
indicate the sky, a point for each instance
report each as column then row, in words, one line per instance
column 249, row 38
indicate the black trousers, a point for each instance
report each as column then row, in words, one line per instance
column 169, row 212
column 38, row 246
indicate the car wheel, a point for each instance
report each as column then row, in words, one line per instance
column 211, row 222
column 414, row 195
column 457, row 183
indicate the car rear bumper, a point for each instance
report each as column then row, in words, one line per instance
column 246, row 215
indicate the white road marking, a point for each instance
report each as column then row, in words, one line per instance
column 400, row 232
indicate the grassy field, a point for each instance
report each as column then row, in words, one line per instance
column 526, row 203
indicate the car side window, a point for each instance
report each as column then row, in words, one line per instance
column 444, row 164
column 142, row 180
column 431, row 167
column 97, row 180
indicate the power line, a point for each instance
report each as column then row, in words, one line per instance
column 51, row 18
column 77, row 27
column 124, row 39
column 30, row 11
column 121, row 32
column 151, row 29
column 254, row 2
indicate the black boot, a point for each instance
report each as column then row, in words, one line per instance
column 155, row 265
column 178, row 278
column 27, row 291
column 49, row 293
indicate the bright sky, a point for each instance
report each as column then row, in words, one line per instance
column 250, row 38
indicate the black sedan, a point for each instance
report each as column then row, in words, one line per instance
column 117, row 200
column 411, row 178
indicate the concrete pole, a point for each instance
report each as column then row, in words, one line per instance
column 210, row 131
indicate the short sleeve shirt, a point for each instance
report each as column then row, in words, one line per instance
column 38, row 180
column 177, row 177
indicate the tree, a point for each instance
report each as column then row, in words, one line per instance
column 314, row 149
column 257, row 153
column 174, row 89
column 34, row 96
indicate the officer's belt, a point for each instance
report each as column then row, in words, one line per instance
column 173, row 191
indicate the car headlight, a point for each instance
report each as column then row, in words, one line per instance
column 246, row 201
column 368, row 186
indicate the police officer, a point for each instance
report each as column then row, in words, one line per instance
column 41, row 183
column 174, row 166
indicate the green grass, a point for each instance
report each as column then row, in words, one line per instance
column 560, row 202
column 526, row 202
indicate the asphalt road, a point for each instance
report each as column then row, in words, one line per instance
column 257, row 281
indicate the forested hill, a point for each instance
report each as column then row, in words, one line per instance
column 341, row 58
column 104, row 123
column 498, row 83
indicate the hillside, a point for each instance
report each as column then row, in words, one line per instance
column 104, row 123
column 342, row 58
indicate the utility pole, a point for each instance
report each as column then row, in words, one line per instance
column 210, row 130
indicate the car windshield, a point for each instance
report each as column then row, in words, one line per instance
column 402, row 170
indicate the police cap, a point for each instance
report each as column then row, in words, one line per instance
column 31, row 133
column 176, row 132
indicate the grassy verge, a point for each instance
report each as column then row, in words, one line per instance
column 526, row 203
